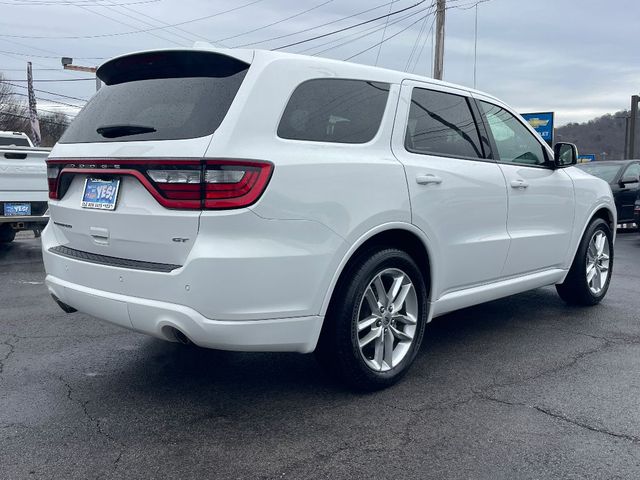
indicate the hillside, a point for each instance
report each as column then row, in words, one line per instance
column 603, row 136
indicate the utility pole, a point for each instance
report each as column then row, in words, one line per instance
column 438, row 61
column 632, row 127
column 33, row 113
column 67, row 64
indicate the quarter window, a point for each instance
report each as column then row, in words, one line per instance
column 514, row 142
column 334, row 110
column 441, row 124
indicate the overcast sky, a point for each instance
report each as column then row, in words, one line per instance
column 579, row 58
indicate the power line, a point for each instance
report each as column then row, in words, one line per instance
column 44, row 119
column 47, row 56
column 69, row 3
column 53, row 80
column 166, row 24
column 144, row 30
column 34, row 62
column 113, row 7
column 384, row 31
column 358, row 34
column 388, row 38
column 351, row 26
column 25, row 106
column 279, row 37
column 274, row 23
column 46, row 91
column 35, row 70
column 48, row 100
column 370, row 31
column 424, row 43
column 415, row 44
column 153, row 34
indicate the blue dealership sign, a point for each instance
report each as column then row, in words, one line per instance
column 542, row 123
column 586, row 157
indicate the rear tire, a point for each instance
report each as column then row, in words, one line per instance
column 376, row 320
column 7, row 234
column 588, row 279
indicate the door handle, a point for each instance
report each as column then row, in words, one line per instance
column 519, row 183
column 428, row 178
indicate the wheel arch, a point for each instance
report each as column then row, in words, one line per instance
column 603, row 211
column 607, row 215
column 400, row 235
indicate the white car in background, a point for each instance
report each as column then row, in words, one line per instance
column 23, row 186
column 263, row 201
column 14, row 139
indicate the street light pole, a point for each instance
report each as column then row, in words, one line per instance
column 67, row 64
column 632, row 126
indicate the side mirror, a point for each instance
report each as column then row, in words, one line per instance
column 565, row 154
column 629, row 179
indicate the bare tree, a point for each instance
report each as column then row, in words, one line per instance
column 14, row 116
column 12, row 111
column 52, row 126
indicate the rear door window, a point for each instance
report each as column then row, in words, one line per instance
column 441, row 123
column 159, row 96
column 334, row 110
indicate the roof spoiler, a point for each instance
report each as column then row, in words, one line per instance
column 203, row 61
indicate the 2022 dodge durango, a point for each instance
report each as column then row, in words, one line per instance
column 262, row 201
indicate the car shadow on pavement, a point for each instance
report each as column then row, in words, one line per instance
column 161, row 368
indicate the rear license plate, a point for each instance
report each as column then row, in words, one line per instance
column 17, row 209
column 100, row 194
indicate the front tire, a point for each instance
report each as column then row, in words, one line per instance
column 590, row 275
column 376, row 320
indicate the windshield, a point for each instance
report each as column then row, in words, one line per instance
column 169, row 96
column 601, row 170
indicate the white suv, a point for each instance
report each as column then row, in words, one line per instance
column 262, row 201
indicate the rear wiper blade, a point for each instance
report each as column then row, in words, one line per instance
column 114, row 131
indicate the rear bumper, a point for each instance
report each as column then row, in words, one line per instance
column 156, row 318
column 30, row 219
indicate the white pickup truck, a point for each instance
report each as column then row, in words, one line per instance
column 23, row 186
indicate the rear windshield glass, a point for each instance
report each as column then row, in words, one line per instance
column 169, row 96
column 605, row 172
column 17, row 141
column 334, row 110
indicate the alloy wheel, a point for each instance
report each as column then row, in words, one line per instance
column 598, row 254
column 387, row 319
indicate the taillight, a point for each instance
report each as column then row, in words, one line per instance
column 234, row 184
column 178, row 184
column 53, row 171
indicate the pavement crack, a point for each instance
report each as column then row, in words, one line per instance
column 549, row 371
column 326, row 456
column 95, row 421
column 586, row 426
column 12, row 348
column 483, row 396
column 561, row 417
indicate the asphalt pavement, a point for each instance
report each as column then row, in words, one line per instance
column 520, row 388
